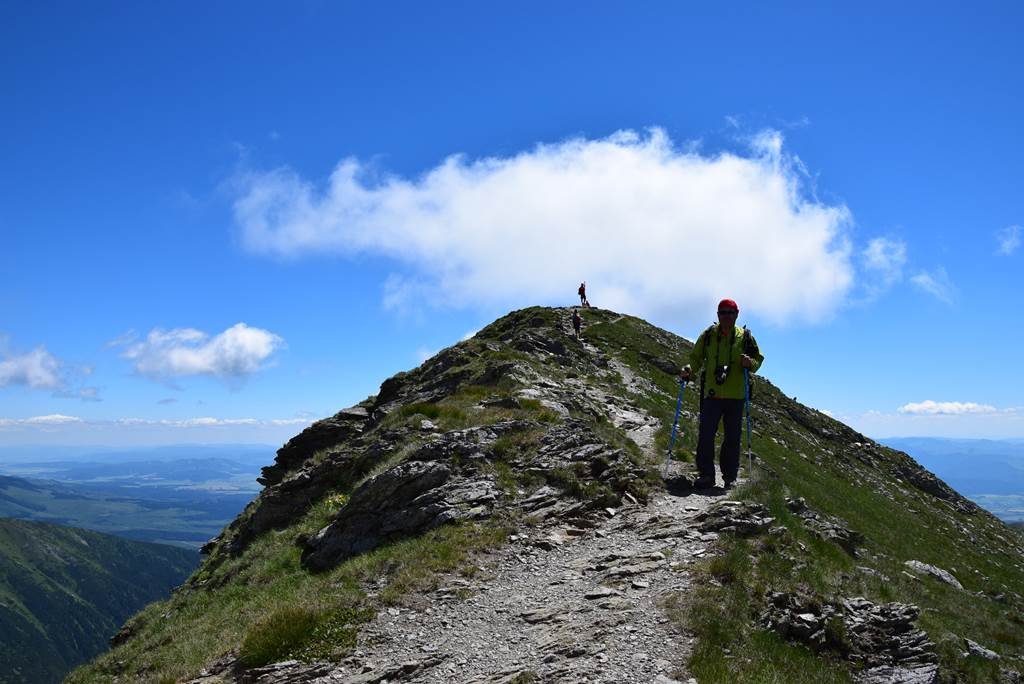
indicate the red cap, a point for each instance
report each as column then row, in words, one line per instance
column 728, row 304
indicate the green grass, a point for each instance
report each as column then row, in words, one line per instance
column 273, row 608
column 302, row 633
column 735, row 582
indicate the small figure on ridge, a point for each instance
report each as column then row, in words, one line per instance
column 582, row 292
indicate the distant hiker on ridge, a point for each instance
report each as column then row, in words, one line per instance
column 582, row 292
column 720, row 354
column 576, row 322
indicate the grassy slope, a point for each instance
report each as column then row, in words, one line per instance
column 242, row 603
column 64, row 592
column 899, row 522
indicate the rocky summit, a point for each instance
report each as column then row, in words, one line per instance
column 505, row 513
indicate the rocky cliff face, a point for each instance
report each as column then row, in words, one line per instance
column 600, row 565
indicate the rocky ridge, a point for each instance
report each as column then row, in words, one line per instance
column 564, row 438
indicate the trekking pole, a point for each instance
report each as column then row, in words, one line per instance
column 746, row 401
column 675, row 423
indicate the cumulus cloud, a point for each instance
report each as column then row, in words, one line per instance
column 1008, row 239
column 234, row 354
column 653, row 228
column 945, row 408
column 37, row 369
column 937, row 284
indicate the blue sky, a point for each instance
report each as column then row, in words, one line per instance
column 220, row 221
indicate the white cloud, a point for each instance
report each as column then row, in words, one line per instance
column 945, row 408
column 656, row 230
column 1009, row 240
column 52, row 419
column 207, row 421
column 235, row 353
column 132, row 431
column 882, row 261
column 886, row 257
column 990, row 423
column 936, row 284
column 37, row 369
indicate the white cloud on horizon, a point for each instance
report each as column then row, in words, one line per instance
column 945, row 408
column 55, row 430
column 654, row 229
column 937, row 284
column 1000, row 423
column 205, row 421
column 1009, row 240
column 52, row 419
column 232, row 355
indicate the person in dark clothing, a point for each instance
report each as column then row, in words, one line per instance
column 576, row 322
column 721, row 353
column 582, row 292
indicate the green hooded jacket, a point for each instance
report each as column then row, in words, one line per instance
column 712, row 348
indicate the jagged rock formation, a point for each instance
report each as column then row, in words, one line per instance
column 562, row 440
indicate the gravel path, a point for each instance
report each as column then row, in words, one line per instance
column 560, row 604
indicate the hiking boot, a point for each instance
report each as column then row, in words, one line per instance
column 729, row 484
column 704, row 483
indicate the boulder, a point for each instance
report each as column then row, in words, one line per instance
column 408, row 499
column 932, row 571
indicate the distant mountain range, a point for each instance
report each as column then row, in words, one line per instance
column 174, row 495
column 64, row 592
column 991, row 472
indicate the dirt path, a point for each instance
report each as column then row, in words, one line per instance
column 558, row 604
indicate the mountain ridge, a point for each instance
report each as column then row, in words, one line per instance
column 524, row 432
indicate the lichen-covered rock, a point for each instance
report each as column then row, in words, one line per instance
column 886, row 674
column 976, row 649
column 828, row 528
column 869, row 634
column 933, row 571
column 740, row 517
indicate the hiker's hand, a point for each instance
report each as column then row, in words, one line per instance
column 746, row 361
column 684, row 374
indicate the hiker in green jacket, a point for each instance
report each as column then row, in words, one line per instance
column 721, row 353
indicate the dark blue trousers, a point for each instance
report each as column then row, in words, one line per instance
column 730, row 413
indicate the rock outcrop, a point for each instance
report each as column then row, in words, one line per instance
column 881, row 639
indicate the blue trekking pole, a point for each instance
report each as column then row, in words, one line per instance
column 746, row 401
column 675, row 423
